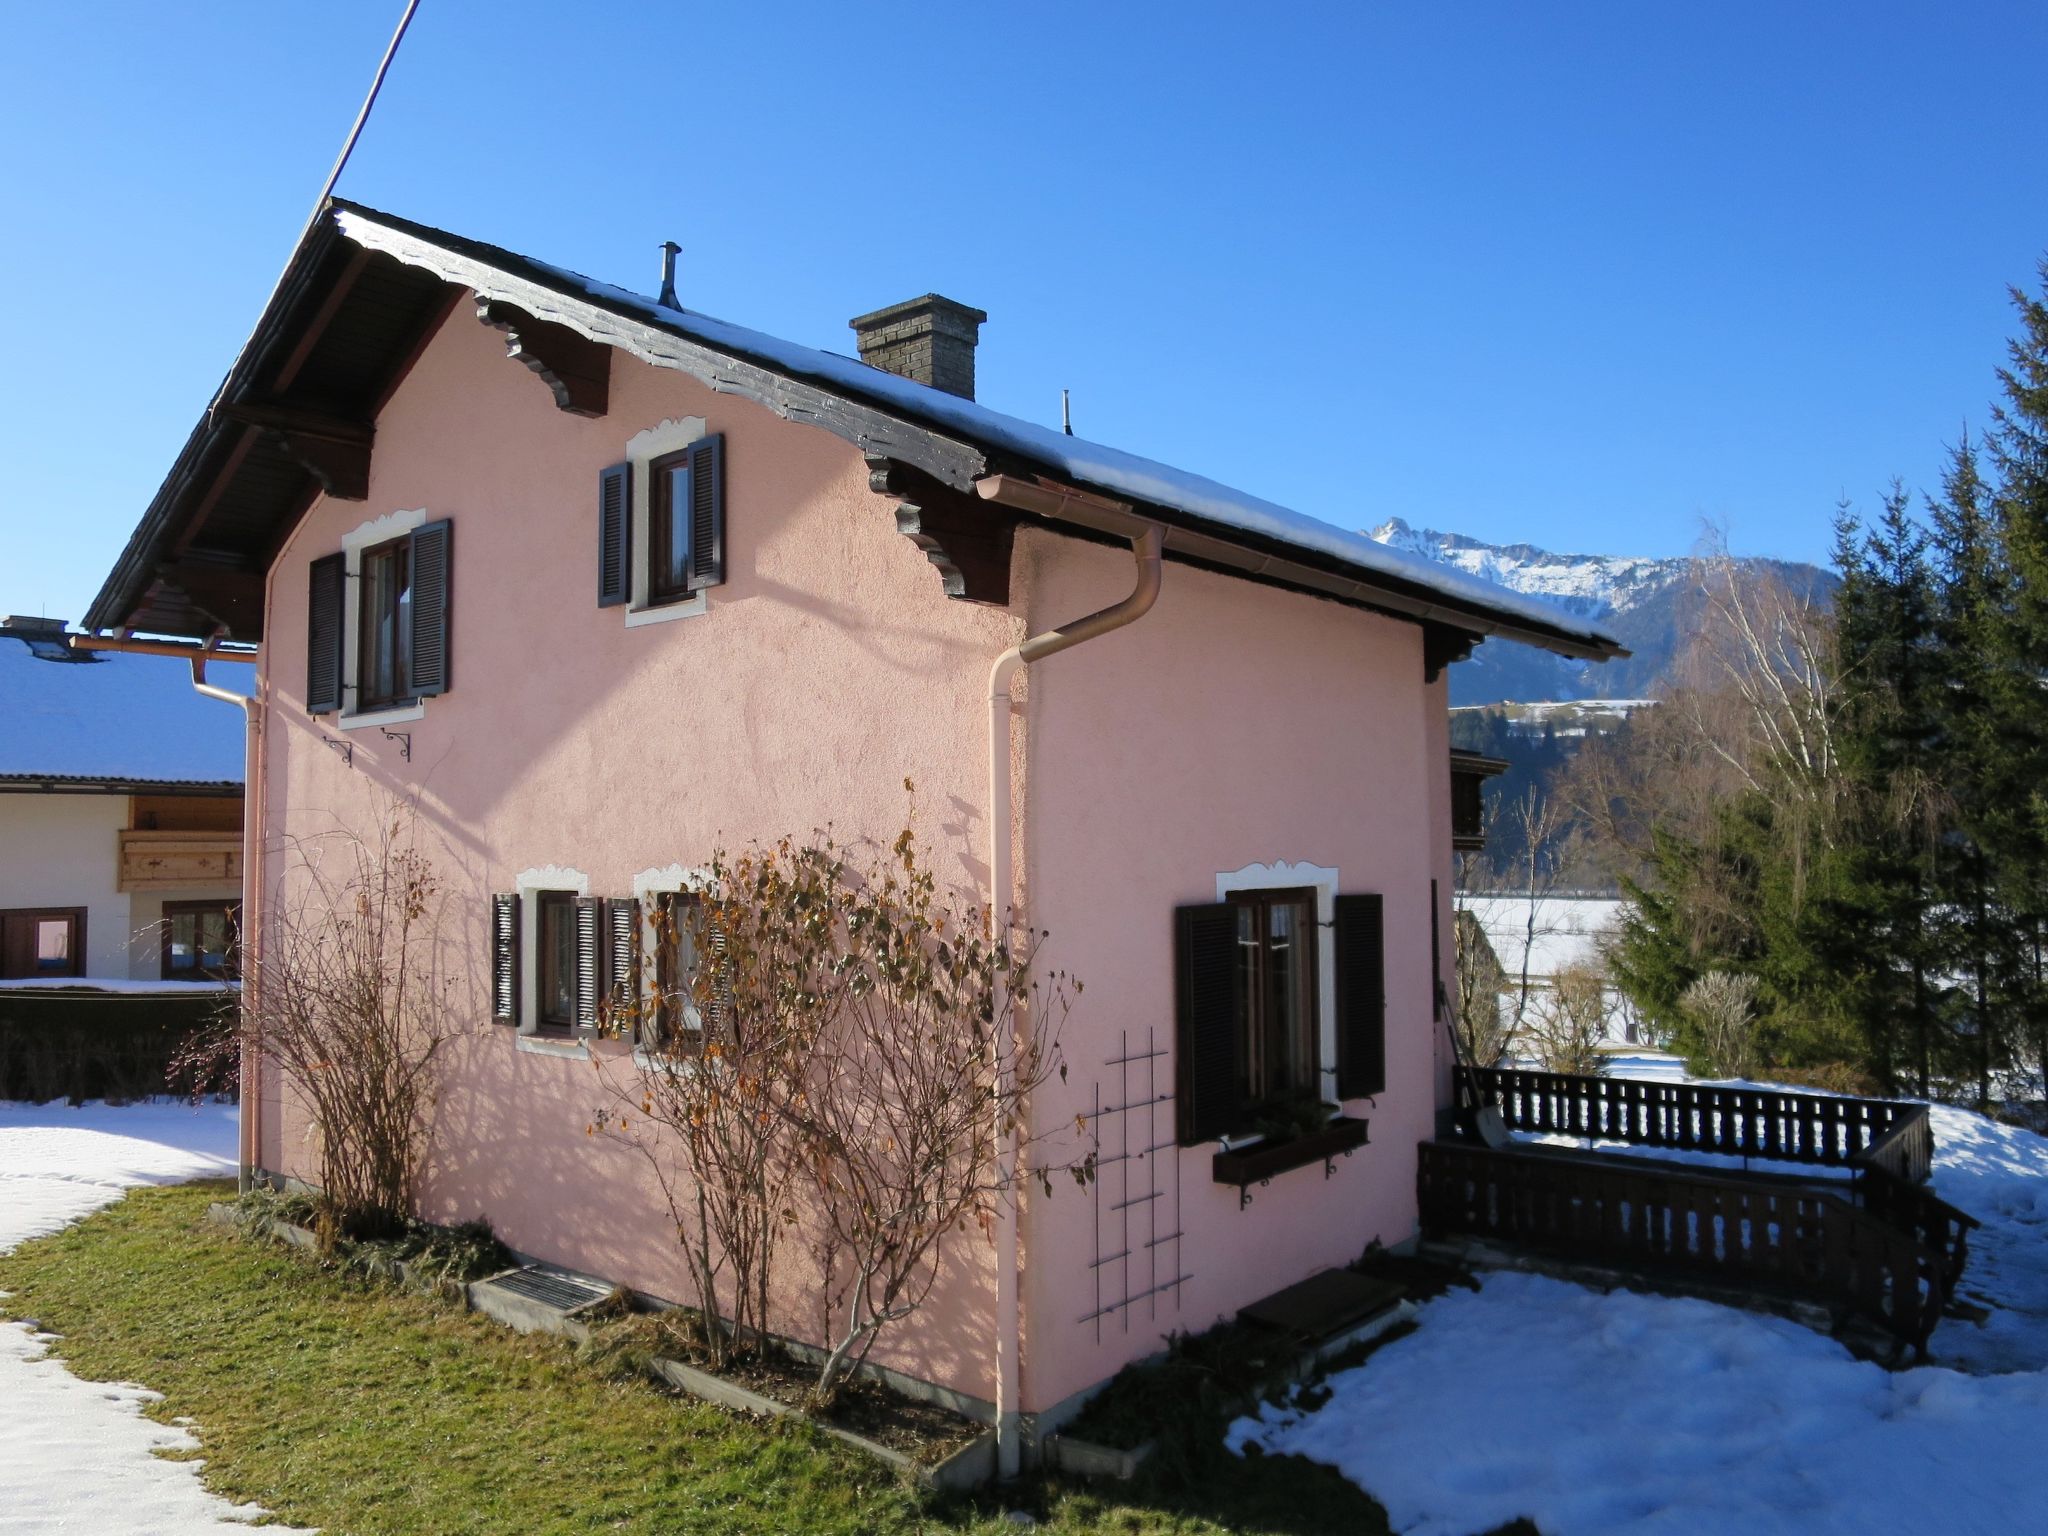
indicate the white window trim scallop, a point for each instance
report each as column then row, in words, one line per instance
column 1280, row 876
column 669, row 879
column 530, row 884
column 366, row 536
column 642, row 449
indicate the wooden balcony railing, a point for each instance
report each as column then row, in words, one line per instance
column 1799, row 1242
column 1706, row 1117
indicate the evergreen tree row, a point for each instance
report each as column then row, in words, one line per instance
column 1889, row 893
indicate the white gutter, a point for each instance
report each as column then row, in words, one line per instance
column 1147, row 547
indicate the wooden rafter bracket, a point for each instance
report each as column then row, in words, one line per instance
column 332, row 449
column 1442, row 645
column 228, row 594
column 965, row 538
column 576, row 370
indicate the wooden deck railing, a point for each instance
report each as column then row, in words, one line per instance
column 1706, row 1117
column 1801, row 1242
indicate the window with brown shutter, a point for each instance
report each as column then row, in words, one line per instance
column 615, row 536
column 432, row 553
column 1359, row 935
column 326, row 596
column 622, row 965
column 685, row 522
column 592, row 961
column 505, row 958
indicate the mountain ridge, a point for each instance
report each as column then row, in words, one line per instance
column 1640, row 597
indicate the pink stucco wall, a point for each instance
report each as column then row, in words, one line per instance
column 1235, row 724
column 829, row 668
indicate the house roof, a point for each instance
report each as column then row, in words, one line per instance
column 366, row 289
column 73, row 721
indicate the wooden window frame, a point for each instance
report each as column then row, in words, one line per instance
column 545, row 902
column 367, row 701
column 660, row 518
column 231, row 970
column 33, row 916
column 1305, row 1045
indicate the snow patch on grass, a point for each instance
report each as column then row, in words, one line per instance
column 79, row 1455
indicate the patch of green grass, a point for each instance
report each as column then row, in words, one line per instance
column 365, row 1409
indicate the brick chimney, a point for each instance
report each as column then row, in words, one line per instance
column 930, row 340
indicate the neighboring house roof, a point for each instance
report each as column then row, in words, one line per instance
column 366, row 290
column 1566, row 930
column 69, row 721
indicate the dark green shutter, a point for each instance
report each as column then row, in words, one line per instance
column 433, row 548
column 505, row 959
column 1361, row 997
column 707, row 513
column 1209, row 1022
column 326, row 592
column 615, row 536
column 590, row 960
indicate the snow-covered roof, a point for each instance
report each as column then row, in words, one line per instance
column 1551, row 931
column 114, row 719
column 1090, row 465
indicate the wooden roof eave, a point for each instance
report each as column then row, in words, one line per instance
column 881, row 434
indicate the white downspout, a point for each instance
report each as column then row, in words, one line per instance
column 252, row 823
column 252, row 838
column 1147, row 547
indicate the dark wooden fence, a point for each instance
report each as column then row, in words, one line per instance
column 1705, row 1117
column 1799, row 1242
column 72, row 1043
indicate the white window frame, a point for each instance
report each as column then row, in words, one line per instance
column 378, row 530
column 669, row 880
column 1281, row 876
column 642, row 449
column 531, row 885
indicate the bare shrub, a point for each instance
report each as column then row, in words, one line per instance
column 1720, row 1015
column 916, row 1101
column 350, row 998
column 1570, row 1020
column 724, row 1046
column 860, row 1069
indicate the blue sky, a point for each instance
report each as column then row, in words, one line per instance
column 1583, row 275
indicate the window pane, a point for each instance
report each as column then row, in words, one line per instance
column 1291, row 935
column 184, row 946
column 676, row 972
column 53, row 944
column 557, row 960
column 676, row 529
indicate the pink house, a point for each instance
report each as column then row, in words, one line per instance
column 602, row 583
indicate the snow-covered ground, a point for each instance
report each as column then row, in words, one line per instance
column 1595, row 1415
column 78, row 1455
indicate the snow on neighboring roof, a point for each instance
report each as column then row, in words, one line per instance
column 119, row 718
column 1568, row 930
column 1092, row 464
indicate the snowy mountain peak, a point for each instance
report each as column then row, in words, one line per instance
column 1640, row 599
column 1592, row 586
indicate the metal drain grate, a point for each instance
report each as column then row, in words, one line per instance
column 565, row 1293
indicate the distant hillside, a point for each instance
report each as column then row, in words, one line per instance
column 1640, row 598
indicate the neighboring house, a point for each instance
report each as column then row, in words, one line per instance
column 120, row 817
column 653, row 584
column 1536, row 937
